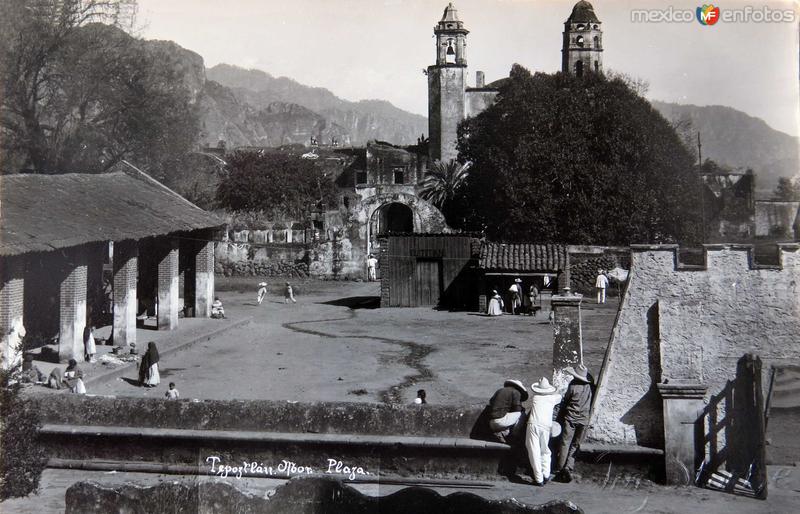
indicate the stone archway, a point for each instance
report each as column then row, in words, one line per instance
column 395, row 208
column 392, row 217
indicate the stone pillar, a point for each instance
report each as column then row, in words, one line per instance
column 126, row 272
column 72, row 305
column 683, row 405
column 12, row 294
column 204, row 279
column 168, row 290
column 567, row 343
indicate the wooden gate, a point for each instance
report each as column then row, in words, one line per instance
column 428, row 278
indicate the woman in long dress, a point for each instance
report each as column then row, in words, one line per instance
column 148, row 369
column 89, row 346
column 495, row 304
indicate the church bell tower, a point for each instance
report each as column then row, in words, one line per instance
column 582, row 51
column 446, row 85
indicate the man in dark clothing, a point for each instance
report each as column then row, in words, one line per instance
column 505, row 408
column 575, row 417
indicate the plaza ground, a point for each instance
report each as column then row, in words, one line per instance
column 335, row 345
column 617, row 497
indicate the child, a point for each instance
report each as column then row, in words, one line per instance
column 262, row 292
column 288, row 294
column 421, row 397
column 217, row 310
column 173, row 393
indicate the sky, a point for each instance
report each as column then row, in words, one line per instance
column 365, row 49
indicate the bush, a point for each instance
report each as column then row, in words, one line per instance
column 22, row 458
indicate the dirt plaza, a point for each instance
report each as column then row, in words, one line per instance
column 334, row 344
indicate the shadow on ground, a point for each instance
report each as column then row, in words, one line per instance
column 356, row 302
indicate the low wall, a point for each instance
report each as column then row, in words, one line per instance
column 261, row 415
column 693, row 323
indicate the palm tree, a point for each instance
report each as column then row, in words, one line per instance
column 443, row 180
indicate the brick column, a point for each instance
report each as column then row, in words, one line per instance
column 126, row 271
column 204, row 279
column 386, row 284
column 72, row 305
column 683, row 405
column 567, row 342
column 168, row 290
column 12, row 293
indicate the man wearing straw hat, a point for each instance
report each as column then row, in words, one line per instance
column 539, row 430
column 575, row 414
column 262, row 292
column 505, row 409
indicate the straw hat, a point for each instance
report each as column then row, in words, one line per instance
column 519, row 386
column 543, row 386
column 580, row 372
column 517, row 279
column 262, row 284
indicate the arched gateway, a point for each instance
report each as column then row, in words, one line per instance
column 399, row 212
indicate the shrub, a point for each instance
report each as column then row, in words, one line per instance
column 22, row 458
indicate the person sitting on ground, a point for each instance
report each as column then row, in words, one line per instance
column 73, row 377
column 505, row 410
column 495, row 304
column 537, row 434
column 148, row 368
column 172, row 393
column 575, row 417
column 217, row 311
column 30, row 373
column 420, row 399
column 262, row 292
column 288, row 294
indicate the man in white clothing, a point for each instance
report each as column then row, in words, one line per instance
column 372, row 265
column 540, row 422
column 601, row 284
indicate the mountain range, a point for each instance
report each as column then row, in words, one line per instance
column 252, row 108
column 735, row 139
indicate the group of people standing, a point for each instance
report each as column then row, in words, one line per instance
column 551, row 416
column 518, row 300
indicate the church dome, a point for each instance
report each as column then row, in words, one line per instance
column 583, row 12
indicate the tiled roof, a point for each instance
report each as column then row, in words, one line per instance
column 45, row 212
column 522, row 257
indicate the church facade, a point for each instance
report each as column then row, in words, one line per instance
column 451, row 100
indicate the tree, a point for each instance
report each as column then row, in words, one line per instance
column 279, row 184
column 787, row 190
column 442, row 182
column 81, row 96
column 582, row 160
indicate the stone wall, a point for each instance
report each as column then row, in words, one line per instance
column 584, row 261
column 692, row 323
column 260, row 415
column 777, row 219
